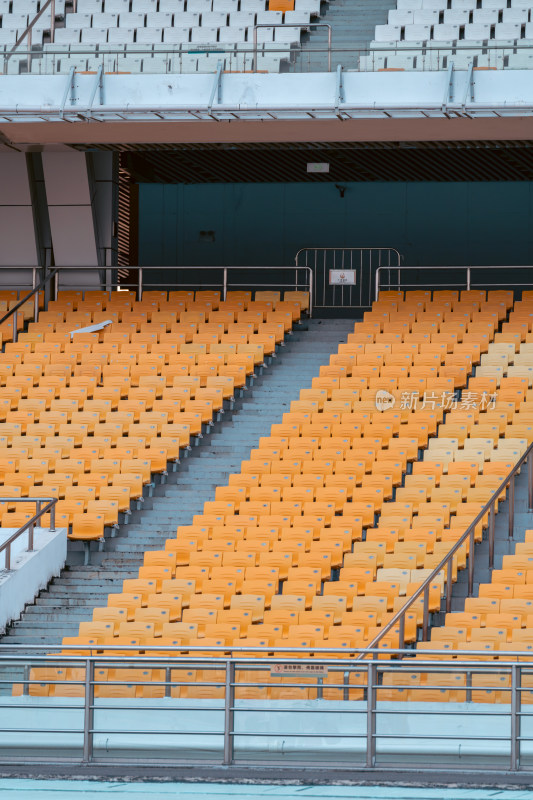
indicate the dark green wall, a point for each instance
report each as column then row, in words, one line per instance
column 265, row 224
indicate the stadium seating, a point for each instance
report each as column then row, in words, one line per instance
column 155, row 37
column 337, row 517
column 429, row 35
column 93, row 418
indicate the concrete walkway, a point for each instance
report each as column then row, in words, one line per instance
column 88, row 790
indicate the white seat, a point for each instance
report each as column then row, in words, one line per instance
column 186, row 19
column 199, row 6
column 415, row 33
column 475, row 32
column 129, row 64
column 156, row 65
column 313, row 6
column 528, row 32
column 507, row 30
column 387, row 33
column 456, row 16
column 226, row 6
column 120, row 35
column 263, row 35
column 105, row 20
column 231, row 35
column 89, row 6
column 445, row 33
column 143, row 6
column 491, row 60
column 521, row 4
column 520, row 60
column 297, row 18
column 131, row 20
column 116, row 6
column 214, row 19
column 426, row 16
column 400, row 17
column 399, row 61
column 487, row 16
column 469, row 4
column 253, row 5
column 520, row 15
column 93, row 35
column 187, row 63
column 242, row 19
column 409, row 5
column 67, row 36
column 8, row 36
column 372, row 62
column 159, row 19
column 269, row 18
column 176, row 35
column 21, row 7
column 433, row 5
column 204, row 35
column 149, row 35
column 78, row 21
column 174, row 6
column 287, row 34
column 18, row 21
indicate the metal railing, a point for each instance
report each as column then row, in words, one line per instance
column 50, row 503
column 37, row 287
column 27, row 33
column 403, row 283
column 398, row 620
column 224, row 280
column 353, row 716
column 365, row 261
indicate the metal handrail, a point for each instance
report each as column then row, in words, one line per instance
column 401, row 285
column 224, row 284
column 283, row 25
column 447, row 561
column 35, row 294
column 27, row 33
column 50, row 506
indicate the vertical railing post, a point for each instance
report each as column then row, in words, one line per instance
column 511, row 507
column 425, row 615
column 329, row 47
column 225, row 285
column 371, row 716
column 15, row 327
column 376, row 290
column 88, row 712
column 52, row 518
column 53, row 20
column 140, row 277
column 401, row 636
column 35, row 296
column 516, row 683
column 7, row 564
column 492, row 523
column 449, row 576
column 468, row 277
column 471, row 562
column 530, row 481
column 311, row 289
column 229, row 703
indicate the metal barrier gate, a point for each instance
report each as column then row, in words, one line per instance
column 364, row 261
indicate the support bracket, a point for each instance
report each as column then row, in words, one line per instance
column 216, row 91
column 448, row 94
column 69, row 90
column 469, row 88
column 339, row 91
column 98, row 87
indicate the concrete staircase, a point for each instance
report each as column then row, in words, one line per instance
column 353, row 23
column 69, row 599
